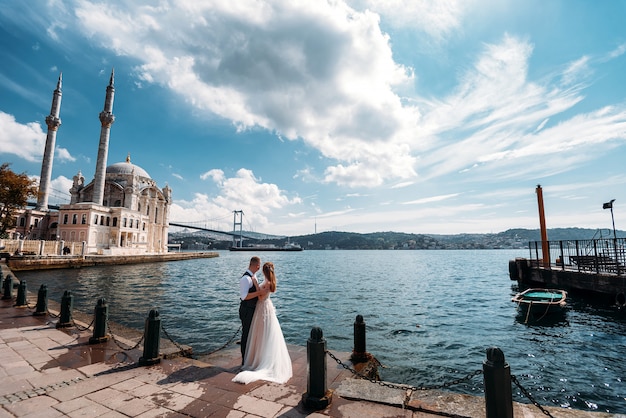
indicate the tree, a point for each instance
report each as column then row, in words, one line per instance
column 15, row 189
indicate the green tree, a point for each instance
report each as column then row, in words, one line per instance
column 15, row 189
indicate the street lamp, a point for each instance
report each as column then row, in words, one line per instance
column 609, row 205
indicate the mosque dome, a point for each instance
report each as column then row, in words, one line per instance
column 126, row 167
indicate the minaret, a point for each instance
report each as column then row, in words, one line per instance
column 106, row 119
column 53, row 122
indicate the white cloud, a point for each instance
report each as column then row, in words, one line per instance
column 436, row 18
column 243, row 192
column 63, row 154
column 319, row 72
column 25, row 141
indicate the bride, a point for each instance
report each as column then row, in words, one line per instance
column 267, row 357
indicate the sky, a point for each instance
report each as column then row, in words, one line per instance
column 431, row 116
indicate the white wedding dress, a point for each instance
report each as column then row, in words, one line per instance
column 267, row 357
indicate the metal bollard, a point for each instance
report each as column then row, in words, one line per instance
column 497, row 379
column 359, row 354
column 65, row 317
column 101, row 317
column 7, row 285
column 317, row 396
column 151, row 339
column 42, row 301
column 21, row 302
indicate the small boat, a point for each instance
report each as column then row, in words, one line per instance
column 541, row 301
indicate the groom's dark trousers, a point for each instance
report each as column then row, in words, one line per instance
column 246, row 312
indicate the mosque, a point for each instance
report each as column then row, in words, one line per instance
column 120, row 212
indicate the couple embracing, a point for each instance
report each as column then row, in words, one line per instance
column 264, row 352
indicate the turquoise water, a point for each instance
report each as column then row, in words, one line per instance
column 430, row 315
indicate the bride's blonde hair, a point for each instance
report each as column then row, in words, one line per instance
column 268, row 273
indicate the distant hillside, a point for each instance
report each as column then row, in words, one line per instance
column 512, row 238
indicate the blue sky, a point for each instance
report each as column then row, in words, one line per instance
column 361, row 116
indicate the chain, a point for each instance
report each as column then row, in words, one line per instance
column 208, row 353
column 53, row 315
column 112, row 335
column 404, row 387
column 182, row 349
column 83, row 328
column 529, row 396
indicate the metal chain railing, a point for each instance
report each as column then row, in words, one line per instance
column 529, row 396
column 183, row 351
column 119, row 344
column 81, row 328
column 402, row 386
column 207, row 353
column 440, row 386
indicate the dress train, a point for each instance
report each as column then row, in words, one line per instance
column 267, row 357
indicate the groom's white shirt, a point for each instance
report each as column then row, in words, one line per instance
column 245, row 284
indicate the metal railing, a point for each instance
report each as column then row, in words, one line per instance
column 601, row 256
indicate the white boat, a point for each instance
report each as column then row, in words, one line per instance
column 541, row 301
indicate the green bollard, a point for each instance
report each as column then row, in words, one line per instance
column 101, row 316
column 21, row 302
column 151, row 340
column 42, row 301
column 65, row 317
column 317, row 396
column 8, row 288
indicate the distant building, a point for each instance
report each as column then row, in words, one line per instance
column 121, row 211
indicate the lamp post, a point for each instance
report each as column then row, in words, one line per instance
column 609, row 205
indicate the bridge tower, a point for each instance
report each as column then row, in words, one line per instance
column 237, row 221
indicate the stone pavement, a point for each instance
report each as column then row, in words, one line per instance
column 50, row 372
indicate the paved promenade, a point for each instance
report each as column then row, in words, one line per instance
column 50, row 372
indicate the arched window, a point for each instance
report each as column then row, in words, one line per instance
column 108, row 220
column 74, row 219
column 83, row 219
column 114, row 221
column 95, row 219
column 23, row 221
column 65, row 219
column 124, row 221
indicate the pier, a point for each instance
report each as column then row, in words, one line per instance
column 589, row 268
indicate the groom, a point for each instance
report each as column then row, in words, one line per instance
column 249, row 295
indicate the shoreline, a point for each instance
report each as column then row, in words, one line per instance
column 36, row 262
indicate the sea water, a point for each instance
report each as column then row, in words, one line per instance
column 430, row 315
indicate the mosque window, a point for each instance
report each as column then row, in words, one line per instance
column 95, row 219
column 130, row 223
column 148, row 210
column 115, row 221
column 36, row 223
column 156, row 215
column 23, row 221
column 124, row 222
column 102, row 220
column 108, row 220
column 83, row 219
column 138, row 207
column 144, row 226
column 65, row 219
column 74, row 219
